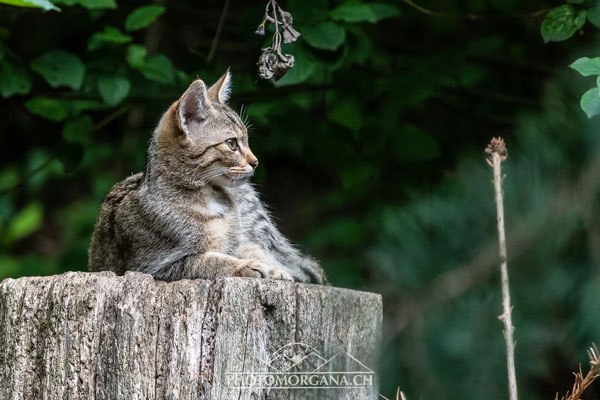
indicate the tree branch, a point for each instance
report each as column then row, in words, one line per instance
column 215, row 41
column 473, row 17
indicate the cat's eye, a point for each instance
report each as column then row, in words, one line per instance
column 233, row 144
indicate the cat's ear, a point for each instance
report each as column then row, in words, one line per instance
column 194, row 108
column 221, row 90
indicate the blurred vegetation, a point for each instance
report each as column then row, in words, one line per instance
column 563, row 22
column 371, row 152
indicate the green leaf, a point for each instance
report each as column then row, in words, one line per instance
column 561, row 23
column 9, row 177
column 158, row 68
column 13, row 80
column 58, row 110
column 27, row 221
column 384, row 10
column 593, row 15
column 143, row 16
column 308, row 12
column 353, row 12
column 113, row 89
column 413, row 145
column 136, row 55
column 77, row 106
column 347, row 113
column 78, row 130
column 326, row 36
column 90, row 4
column 587, row 66
column 575, row 1
column 110, row 35
column 52, row 109
column 60, row 68
column 357, row 173
column 361, row 45
column 590, row 102
column 46, row 5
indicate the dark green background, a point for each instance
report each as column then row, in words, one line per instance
column 372, row 160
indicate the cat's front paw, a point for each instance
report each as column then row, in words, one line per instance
column 257, row 269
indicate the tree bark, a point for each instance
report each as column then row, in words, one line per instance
column 100, row 336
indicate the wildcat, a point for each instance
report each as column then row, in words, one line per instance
column 192, row 212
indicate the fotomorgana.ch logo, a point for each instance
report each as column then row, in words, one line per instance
column 300, row 366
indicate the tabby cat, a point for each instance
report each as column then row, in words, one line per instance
column 192, row 213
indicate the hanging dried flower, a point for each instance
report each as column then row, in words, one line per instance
column 273, row 63
column 261, row 28
column 289, row 34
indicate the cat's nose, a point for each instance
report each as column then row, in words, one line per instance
column 253, row 163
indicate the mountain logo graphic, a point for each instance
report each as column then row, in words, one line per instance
column 300, row 366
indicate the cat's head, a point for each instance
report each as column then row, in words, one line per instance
column 202, row 141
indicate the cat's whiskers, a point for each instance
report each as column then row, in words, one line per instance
column 208, row 175
column 208, row 172
column 209, row 178
column 213, row 177
column 205, row 177
column 196, row 169
column 195, row 178
column 240, row 172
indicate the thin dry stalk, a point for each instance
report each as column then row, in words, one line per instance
column 497, row 151
column 581, row 382
column 399, row 395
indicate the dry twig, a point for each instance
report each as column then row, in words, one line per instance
column 474, row 17
column 522, row 237
column 215, row 41
column 581, row 382
column 399, row 395
column 497, row 151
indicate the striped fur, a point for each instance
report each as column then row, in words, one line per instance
column 193, row 213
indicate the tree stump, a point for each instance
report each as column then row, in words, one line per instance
column 101, row 336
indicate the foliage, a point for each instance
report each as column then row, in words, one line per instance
column 371, row 151
column 143, row 16
column 560, row 24
column 43, row 4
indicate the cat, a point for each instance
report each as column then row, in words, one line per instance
column 192, row 213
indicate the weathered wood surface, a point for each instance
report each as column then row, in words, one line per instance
column 100, row 336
